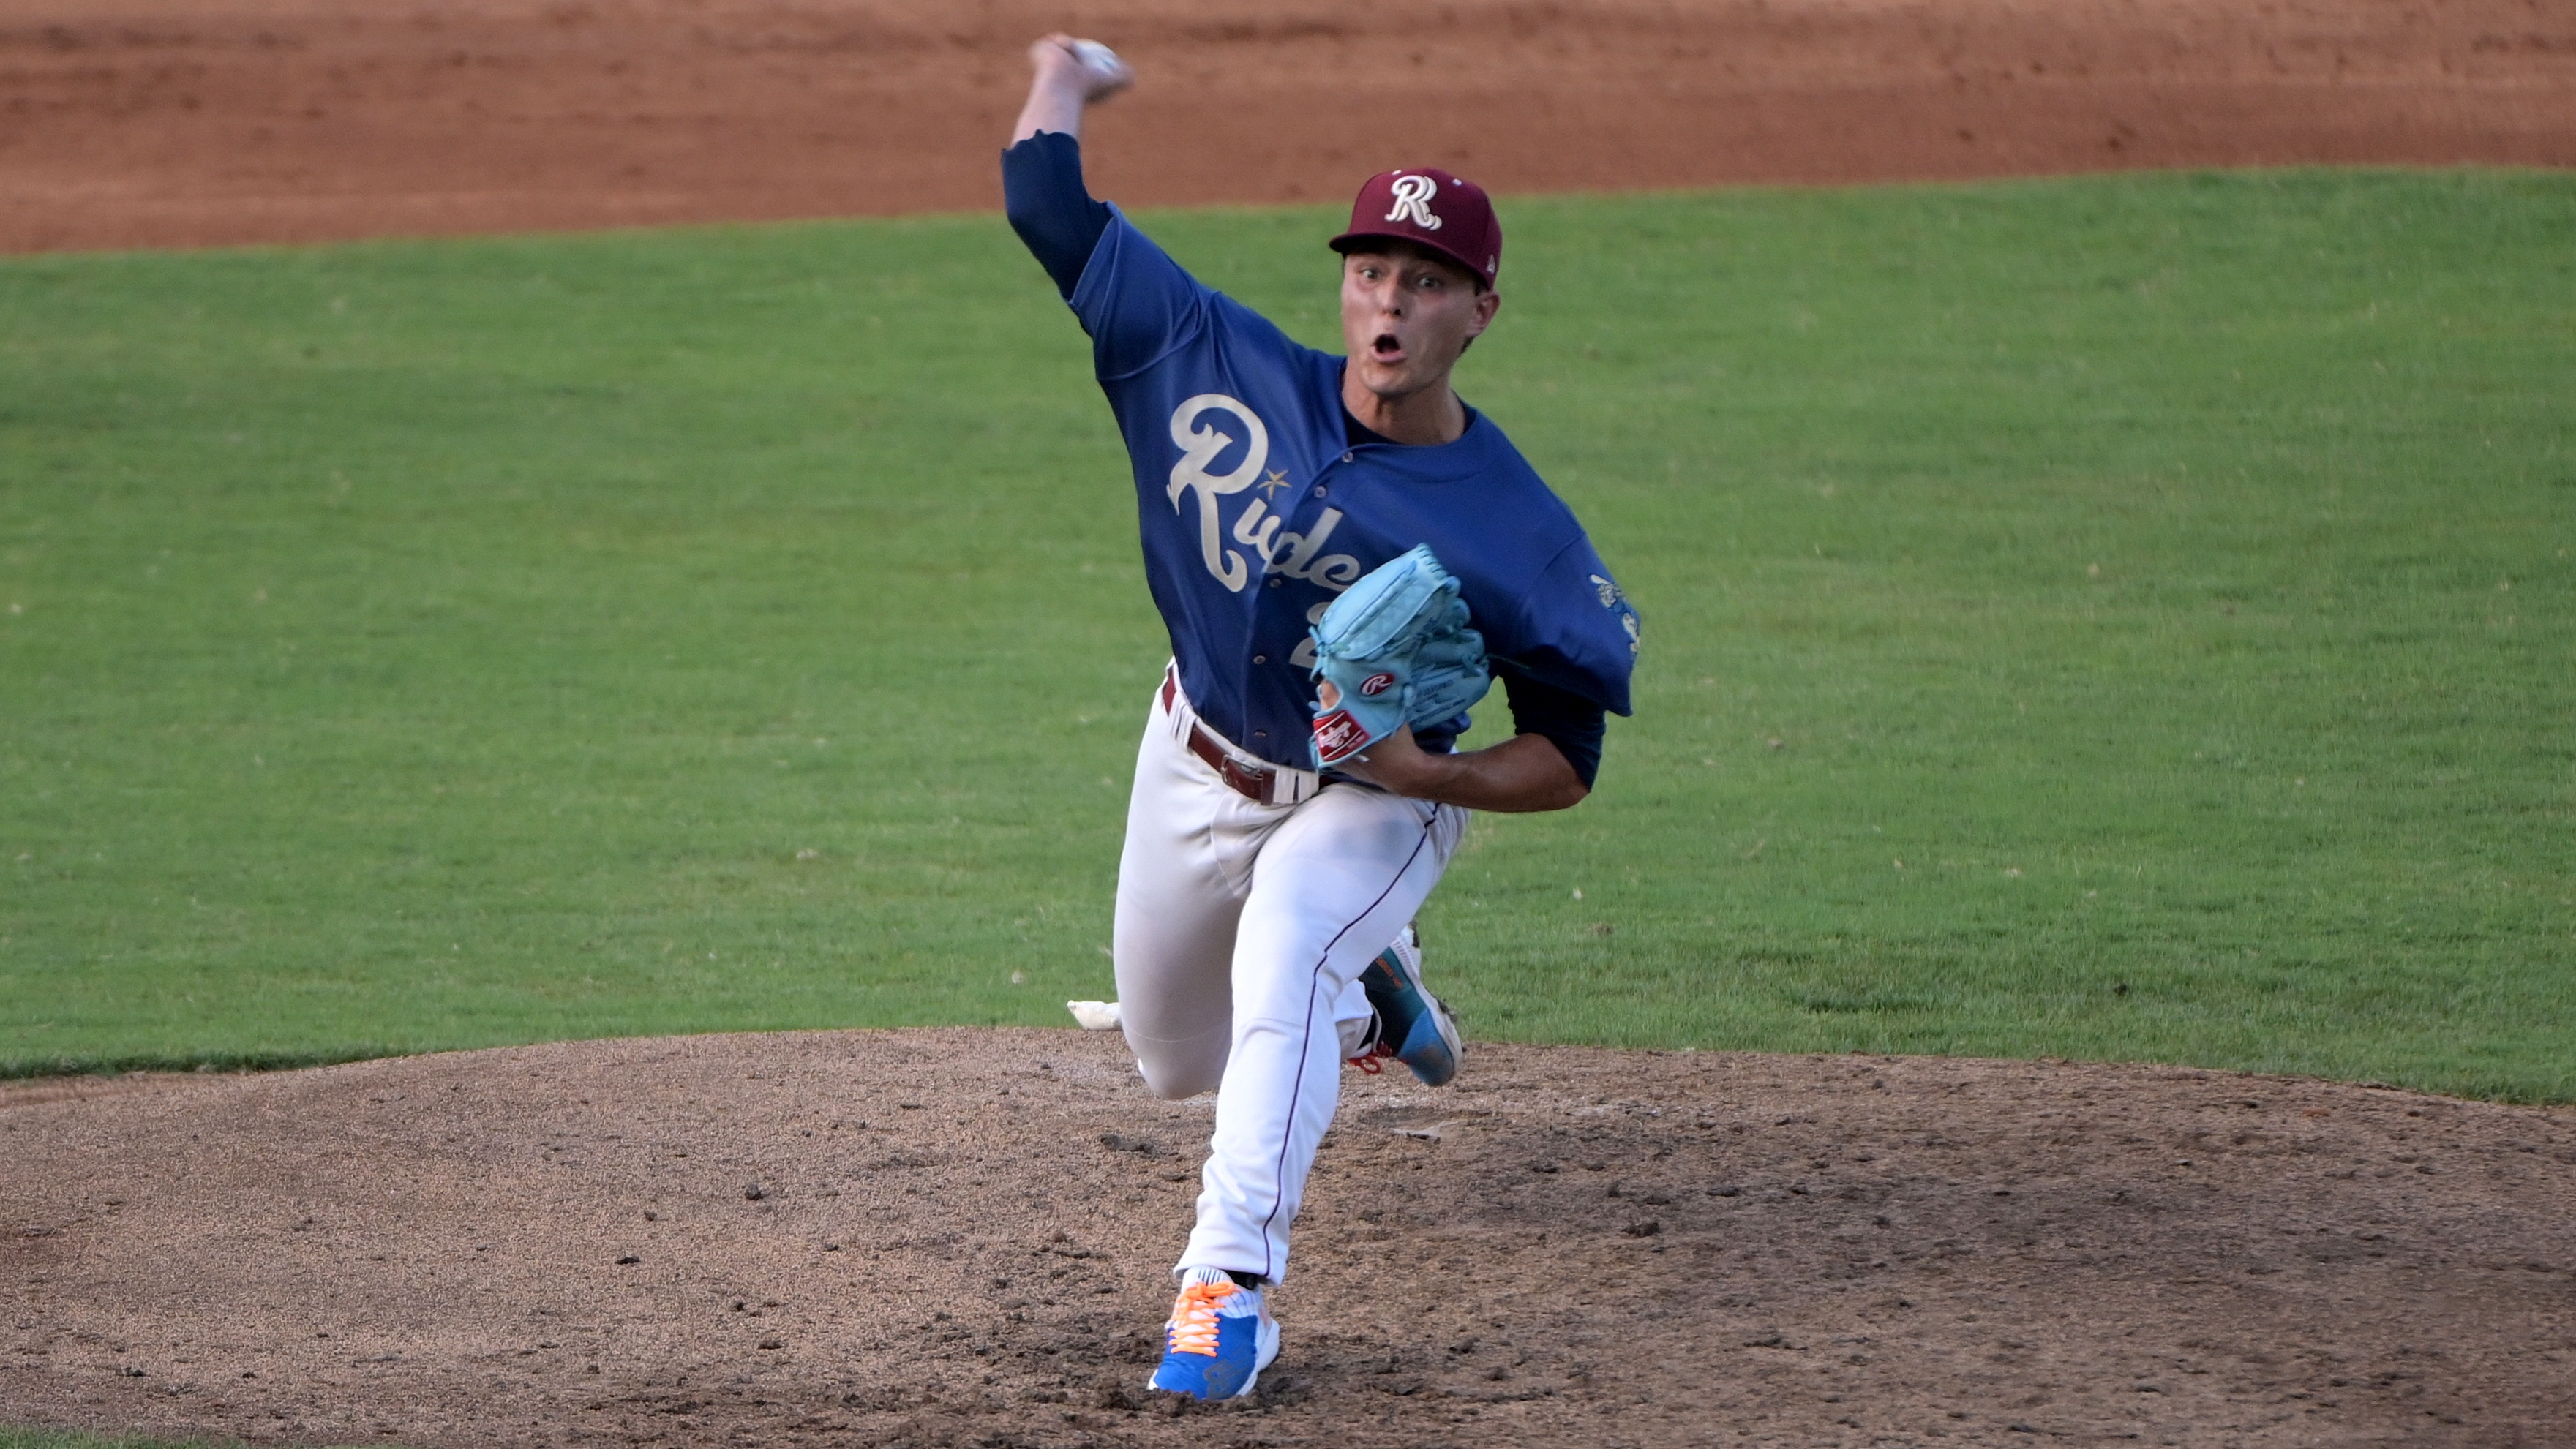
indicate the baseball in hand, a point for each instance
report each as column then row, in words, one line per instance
column 1098, row 57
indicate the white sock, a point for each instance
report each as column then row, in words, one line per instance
column 1354, row 1034
column 1352, row 1016
column 1242, row 1303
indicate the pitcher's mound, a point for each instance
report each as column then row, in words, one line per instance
column 964, row 1237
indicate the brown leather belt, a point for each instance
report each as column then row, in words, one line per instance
column 1250, row 782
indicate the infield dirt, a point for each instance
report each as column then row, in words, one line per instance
column 191, row 122
column 963, row 1238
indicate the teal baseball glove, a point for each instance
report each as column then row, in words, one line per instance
column 1393, row 650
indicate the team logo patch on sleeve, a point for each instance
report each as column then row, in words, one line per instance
column 1617, row 603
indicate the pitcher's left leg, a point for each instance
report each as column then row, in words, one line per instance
column 1335, row 883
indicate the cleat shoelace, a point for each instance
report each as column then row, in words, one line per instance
column 1193, row 1326
column 1372, row 1060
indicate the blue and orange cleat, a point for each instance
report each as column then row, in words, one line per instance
column 1412, row 1025
column 1219, row 1340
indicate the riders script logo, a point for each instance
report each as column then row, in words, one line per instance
column 1256, row 527
column 1413, row 200
column 1199, row 447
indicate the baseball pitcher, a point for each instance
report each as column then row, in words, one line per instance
column 1340, row 548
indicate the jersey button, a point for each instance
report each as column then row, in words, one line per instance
column 1274, row 581
column 1346, row 457
column 1319, row 490
column 1260, row 658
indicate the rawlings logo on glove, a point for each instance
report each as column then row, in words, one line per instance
column 1393, row 650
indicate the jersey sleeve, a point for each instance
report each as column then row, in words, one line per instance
column 1578, row 632
column 1047, row 204
column 1570, row 722
column 1136, row 302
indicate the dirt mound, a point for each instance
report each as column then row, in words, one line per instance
column 190, row 122
column 958, row 1237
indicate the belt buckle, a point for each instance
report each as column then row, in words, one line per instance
column 1248, row 782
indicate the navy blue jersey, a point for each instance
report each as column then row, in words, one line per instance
column 1255, row 510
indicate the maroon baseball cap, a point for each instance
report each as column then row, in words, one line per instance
column 1431, row 208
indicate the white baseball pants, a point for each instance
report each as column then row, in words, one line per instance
column 1241, row 931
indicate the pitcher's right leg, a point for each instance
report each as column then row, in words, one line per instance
column 1336, row 883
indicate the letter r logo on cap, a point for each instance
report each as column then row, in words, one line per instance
column 1413, row 201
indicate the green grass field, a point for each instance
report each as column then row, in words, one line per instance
column 25, row 1438
column 21, row 1438
column 2119, row 618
